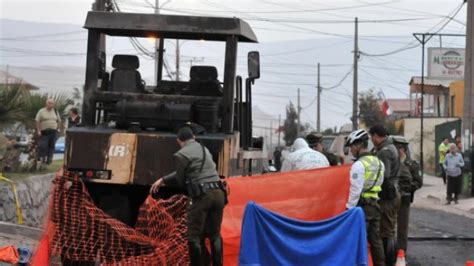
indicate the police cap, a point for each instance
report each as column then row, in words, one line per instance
column 400, row 141
column 314, row 138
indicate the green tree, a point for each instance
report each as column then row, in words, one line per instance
column 369, row 109
column 328, row 131
column 290, row 125
column 13, row 98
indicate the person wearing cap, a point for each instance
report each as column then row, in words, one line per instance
column 366, row 178
column 390, row 195
column 303, row 158
column 196, row 173
column 410, row 181
column 314, row 141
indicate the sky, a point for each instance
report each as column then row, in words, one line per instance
column 296, row 34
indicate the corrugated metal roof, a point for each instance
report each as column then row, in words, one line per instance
column 431, row 82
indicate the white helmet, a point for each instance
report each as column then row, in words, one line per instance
column 357, row 136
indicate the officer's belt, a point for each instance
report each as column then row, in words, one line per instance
column 211, row 185
column 205, row 179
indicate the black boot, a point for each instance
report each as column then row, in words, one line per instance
column 205, row 255
column 195, row 253
column 390, row 252
column 217, row 251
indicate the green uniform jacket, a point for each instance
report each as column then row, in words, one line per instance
column 188, row 165
column 410, row 177
column 332, row 159
column 388, row 154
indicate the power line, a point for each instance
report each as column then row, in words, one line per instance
column 340, row 81
column 384, row 82
column 44, row 35
column 414, row 44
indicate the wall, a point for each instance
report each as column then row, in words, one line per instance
column 456, row 90
column 33, row 193
column 412, row 133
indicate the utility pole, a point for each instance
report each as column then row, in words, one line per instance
column 271, row 135
column 299, row 116
column 468, row 111
column 279, row 129
column 355, row 73
column 177, row 60
column 318, row 118
column 157, row 45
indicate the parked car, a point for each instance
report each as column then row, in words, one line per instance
column 335, row 145
column 60, row 144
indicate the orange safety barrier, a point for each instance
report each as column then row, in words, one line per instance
column 79, row 230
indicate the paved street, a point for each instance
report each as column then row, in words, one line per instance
column 429, row 223
column 431, row 218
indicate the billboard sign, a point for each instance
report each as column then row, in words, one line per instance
column 446, row 63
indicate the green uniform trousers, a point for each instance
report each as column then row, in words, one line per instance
column 403, row 220
column 372, row 223
column 205, row 215
column 388, row 220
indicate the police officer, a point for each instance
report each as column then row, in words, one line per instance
column 390, row 196
column 196, row 172
column 366, row 177
column 410, row 181
column 314, row 141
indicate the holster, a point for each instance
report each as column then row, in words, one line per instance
column 194, row 190
column 389, row 191
column 197, row 189
column 223, row 185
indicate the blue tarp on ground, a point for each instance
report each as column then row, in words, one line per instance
column 271, row 239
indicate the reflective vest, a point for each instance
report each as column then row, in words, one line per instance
column 373, row 177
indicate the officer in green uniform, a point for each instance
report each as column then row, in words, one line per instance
column 314, row 141
column 410, row 181
column 196, row 173
column 366, row 178
column 390, row 195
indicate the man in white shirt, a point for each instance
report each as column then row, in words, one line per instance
column 48, row 122
column 366, row 178
column 303, row 158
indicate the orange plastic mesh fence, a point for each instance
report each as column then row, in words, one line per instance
column 80, row 231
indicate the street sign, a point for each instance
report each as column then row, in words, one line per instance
column 446, row 63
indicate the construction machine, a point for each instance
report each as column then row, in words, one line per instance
column 128, row 134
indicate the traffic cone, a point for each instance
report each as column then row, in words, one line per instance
column 401, row 258
column 470, row 263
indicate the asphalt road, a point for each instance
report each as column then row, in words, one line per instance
column 425, row 224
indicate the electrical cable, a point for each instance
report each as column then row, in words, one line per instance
column 414, row 43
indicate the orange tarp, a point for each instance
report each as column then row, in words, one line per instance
column 309, row 195
column 9, row 254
